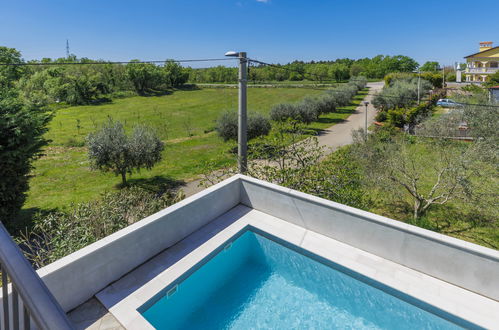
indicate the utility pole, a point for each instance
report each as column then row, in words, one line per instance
column 67, row 48
column 419, row 86
column 366, row 103
column 242, row 134
column 242, row 127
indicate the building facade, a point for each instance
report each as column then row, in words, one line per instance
column 482, row 64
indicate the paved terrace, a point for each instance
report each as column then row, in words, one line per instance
column 102, row 285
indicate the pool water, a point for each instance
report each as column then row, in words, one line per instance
column 256, row 283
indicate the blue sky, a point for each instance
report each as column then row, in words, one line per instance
column 275, row 31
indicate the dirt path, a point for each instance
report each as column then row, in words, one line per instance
column 331, row 138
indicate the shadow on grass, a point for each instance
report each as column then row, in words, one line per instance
column 189, row 87
column 24, row 221
column 157, row 184
column 330, row 120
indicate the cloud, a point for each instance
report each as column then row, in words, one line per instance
column 263, row 1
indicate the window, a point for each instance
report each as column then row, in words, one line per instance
column 494, row 64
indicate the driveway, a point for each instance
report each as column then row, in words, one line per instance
column 341, row 134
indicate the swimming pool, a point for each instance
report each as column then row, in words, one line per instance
column 256, row 281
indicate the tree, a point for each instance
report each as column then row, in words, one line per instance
column 110, row 149
column 22, row 127
column 145, row 77
column 10, row 73
column 429, row 66
column 429, row 172
column 175, row 75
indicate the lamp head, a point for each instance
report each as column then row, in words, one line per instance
column 232, row 54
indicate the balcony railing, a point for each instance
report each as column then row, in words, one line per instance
column 482, row 70
column 28, row 293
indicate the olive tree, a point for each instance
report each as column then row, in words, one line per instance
column 428, row 171
column 110, row 149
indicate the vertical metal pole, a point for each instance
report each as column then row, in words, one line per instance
column 242, row 137
column 365, row 126
column 419, row 86
column 5, row 294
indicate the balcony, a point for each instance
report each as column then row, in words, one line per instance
column 482, row 70
column 130, row 266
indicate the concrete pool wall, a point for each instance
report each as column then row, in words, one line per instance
column 77, row 277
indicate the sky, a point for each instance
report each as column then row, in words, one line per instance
column 275, row 31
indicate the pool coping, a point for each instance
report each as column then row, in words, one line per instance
column 124, row 297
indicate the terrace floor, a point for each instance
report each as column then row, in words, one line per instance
column 120, row 300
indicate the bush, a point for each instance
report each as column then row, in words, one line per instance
column 60, row 233
column 307, row 111
column 304, row 112
column 283, row 112
column 227, row 124
column 258, row 125
column 110, row 149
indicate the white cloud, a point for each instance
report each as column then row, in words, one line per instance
column 263, row 1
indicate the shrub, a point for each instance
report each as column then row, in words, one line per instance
column 258, row 125
column 58, row 234
column 110, row 149
column 227, row 124
column 359, row 81
column 307, row 111
column 283, row 112
column 304, row 112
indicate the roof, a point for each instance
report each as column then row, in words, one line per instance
column 483, row 51
column 494, row 87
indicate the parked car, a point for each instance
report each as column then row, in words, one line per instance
column 448, row 103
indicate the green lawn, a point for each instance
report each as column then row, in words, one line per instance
column 184, row 120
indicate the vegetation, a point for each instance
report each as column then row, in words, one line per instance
column 338, row 70
column 110, row 149
column 311, row 108
column 22, row 126
column 184, row 120
column 58, row 234
column 227, row 125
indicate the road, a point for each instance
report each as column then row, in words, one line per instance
column 341, row 134
column 331, row 138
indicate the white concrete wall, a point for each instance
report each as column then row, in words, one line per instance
column 78, row 276
column 464, row 264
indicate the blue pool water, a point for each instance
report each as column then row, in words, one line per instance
column 257, row 283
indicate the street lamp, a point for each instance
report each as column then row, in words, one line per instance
column 242, row 134
column 366, row 103
column 419, row 84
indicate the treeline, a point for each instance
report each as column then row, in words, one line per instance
column 84, row 84
column 338, row 70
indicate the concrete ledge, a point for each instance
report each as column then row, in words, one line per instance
column 77, row 277
column 463, row 264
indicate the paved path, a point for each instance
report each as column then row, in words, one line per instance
column 341, row 134
column 331, row 138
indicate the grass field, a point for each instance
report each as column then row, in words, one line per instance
column 184, row 120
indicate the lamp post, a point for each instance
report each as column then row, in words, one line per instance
column 366, row 103
column 419, row 84
column 242, row 134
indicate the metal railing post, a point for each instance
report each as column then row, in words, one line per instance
column 35, row 296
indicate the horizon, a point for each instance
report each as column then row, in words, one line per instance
column 271, row 30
